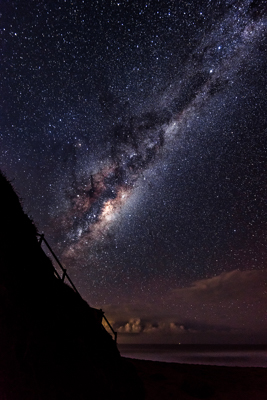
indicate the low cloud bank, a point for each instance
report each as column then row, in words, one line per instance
column 230, row 307
column 136, row 325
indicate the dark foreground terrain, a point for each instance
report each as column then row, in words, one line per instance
column 170, row 381
column 52, row 344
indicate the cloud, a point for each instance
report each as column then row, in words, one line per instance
column 248, row 286
column 223, row 308
column 164, row 327
column 133, row 326
column 138, row 326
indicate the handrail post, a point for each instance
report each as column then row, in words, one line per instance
column 64, row 274
column 41, row 239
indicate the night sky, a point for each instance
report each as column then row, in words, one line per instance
column 135, row 133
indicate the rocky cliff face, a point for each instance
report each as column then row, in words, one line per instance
column 51, row 345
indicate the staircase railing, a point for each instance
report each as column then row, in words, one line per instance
column 64, row 271
column 65, row 275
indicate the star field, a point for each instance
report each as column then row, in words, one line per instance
column 135, row 134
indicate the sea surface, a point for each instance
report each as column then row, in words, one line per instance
column 223, row 355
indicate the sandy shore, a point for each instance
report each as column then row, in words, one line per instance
column 169, row 381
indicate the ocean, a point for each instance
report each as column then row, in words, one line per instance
column 221, row 355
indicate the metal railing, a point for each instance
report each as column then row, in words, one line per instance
column 64, row 271
column 110, row 327
column 65, row 275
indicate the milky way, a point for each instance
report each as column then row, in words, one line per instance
column 135, row 134
column 138, row 141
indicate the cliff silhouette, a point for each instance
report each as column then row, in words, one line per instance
column 52, row 345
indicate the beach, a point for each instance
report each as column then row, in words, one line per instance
column 169, row 381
